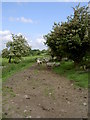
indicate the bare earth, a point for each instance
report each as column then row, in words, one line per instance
column 37, row 92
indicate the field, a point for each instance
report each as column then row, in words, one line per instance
column 26, row 82
column 35, row 91
column 66, row 69
column 45, row 64
column 10, row 69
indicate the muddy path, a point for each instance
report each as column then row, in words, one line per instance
column 37, row 92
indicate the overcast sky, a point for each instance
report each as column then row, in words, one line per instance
column 33, row 20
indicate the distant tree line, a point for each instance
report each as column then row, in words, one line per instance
column 38, row 52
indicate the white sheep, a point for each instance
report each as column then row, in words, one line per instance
column 45, row 60
column 57, row 64
column 39, row 62
column 50, row 64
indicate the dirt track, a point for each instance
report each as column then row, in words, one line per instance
column 39, row 93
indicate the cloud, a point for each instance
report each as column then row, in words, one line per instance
column 38, row 43
column 21, row 19
column 40, row 40
column 4, row 32
column 19, row 34
column 5, row 35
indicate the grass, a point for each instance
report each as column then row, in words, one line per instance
column 68, row 70
column 8, row 90
column 12, row 68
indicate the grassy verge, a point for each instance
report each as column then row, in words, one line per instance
column 67, row 69
column 10, row 69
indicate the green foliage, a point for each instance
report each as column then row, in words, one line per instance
column 9, row 91
column 5, row 53
column 54, row 41
column 77, row 42
column 35, row 52
column 16, row 48
column 10, row 69
column 70, row 39
column 68, row 70
column 38, row 52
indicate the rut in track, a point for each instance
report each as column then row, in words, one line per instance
column 37, row 92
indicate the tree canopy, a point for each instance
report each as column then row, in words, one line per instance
column 16, row 48
column 70, row 38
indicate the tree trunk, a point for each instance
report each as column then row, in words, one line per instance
column 52, row 56
column 10, row 59
column 59, row 58
column 76, row 64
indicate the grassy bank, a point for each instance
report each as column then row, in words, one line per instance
column 68, row 70
column 10, row 69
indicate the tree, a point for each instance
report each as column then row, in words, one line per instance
column 54, row 40
column 70, row 38
column 35, row 52
column 77, row 41
column 5, row 53
column 16, row 48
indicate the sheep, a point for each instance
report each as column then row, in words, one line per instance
column 39, row 61
column 65, row 59
column 50, row 64
column 45, row 60
column 57, row 64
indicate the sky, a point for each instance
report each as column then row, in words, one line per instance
column 33, row 20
